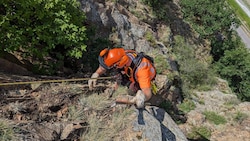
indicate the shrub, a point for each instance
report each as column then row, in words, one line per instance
column 158, row 7
column 150, row 38
column 187, row 106
column 193, row 72
column 161, row 64
column 200, row 133
column 38, row 27
column 234, row 66
column 215, row 19
column 215, row 118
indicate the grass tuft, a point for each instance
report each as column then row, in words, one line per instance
column 214, row 117
column 6, row 131
column 186, row 106
column 200, row 133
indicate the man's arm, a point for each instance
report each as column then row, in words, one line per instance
column 147, row 92
column 100, row 70
column 96, row 74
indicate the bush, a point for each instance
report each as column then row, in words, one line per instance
column 234, row 66
column 193, row 72
column 187, row 106
column 161, row 64
column 38, row 27
column 199, row 133
column 215, row 19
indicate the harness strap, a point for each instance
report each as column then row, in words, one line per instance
column 101, row 62
column 137, row 62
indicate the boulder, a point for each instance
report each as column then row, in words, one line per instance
column 153, row 124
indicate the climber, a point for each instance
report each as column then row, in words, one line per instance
column 136, row 69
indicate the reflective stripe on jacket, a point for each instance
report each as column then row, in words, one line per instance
column 144, row 73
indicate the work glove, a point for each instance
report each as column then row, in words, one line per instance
column 139, row 99
column 92, row 82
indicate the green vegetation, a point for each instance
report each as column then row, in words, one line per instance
column 85, row 102
column 6, row 132
column 239, row 117
column 93, row 109
column 40, row 28
column 100, row 130
column 93, row 101
column 75, row 113
column 213, row 22
column 161, row 64
column 187, row 106
column 214, row 117
column 166, row 105
column 208, row 18
column 193, row 72
column 158, row 7
column 238, row 10
column 199, row 133
column 150, row 38
column 235, row 67
column 231, row 103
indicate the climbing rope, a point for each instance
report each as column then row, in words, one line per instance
column 51, row 81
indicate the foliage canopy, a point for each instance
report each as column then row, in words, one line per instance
column 215, row 20
column 235, row 67
column 36, row 27
column 208, row 17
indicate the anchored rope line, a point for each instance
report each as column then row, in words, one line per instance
column 51, row 81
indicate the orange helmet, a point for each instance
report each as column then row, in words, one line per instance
column 114, row 57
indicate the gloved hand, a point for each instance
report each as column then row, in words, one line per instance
column 92, row 82
column 139, row 99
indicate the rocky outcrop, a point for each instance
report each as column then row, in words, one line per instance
column 115, row 22
column 152, row 124
column 13, row 68
column 223, row 104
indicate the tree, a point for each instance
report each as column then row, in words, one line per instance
column 213, row 20
column 232, row 41
column 208, row 17
column 235, row 67
column 36, row 27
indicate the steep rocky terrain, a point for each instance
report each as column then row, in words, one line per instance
column 64, row 111
column 69, row 111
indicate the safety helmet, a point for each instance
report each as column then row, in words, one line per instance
column 114, row 57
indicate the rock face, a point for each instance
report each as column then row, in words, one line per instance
column 13, row 68
column 236, row 114
column 117, row 23
column 127, row 29
column 153, row 124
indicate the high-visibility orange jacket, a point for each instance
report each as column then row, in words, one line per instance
column 143, row 73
